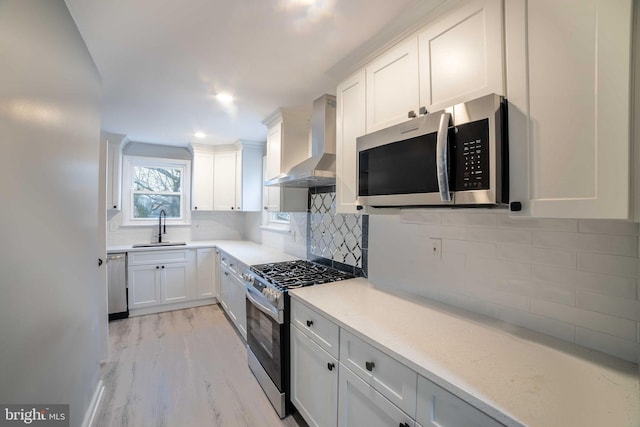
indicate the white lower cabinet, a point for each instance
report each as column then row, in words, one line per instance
column 206, row 273
column 361, row 405
column 160, row 280
column 314, row 381
column 439, row 408
column 366, row 387
column 159, row 283
column 233, row 299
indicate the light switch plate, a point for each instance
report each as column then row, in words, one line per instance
column 113, row 227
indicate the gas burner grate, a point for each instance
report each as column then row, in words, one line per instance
column 296, row 274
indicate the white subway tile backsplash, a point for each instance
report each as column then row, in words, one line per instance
column 536, row 255
column 576, row 280
column 520, row 302
column 616, row 326
column 481, row 220
column 467, row 302
column 505, row 221
column 608, row 227
column 601, row 283
column 415, row 216
column 621, row 348
column 468, row 248
column 619, row 307
column 608, row 264
column 454, row 218
column 500, row 235
column 586, row 242
column 538, row 289
column 497, row 268
column 564, row 331
column 443, row 231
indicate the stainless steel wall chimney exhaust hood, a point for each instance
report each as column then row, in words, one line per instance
column 320, row 169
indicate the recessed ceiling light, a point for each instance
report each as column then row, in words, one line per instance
column 200, row 135
column 224, row 97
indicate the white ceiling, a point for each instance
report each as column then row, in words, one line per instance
column 162, row 61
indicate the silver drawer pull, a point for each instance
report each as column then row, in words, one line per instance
column 369, row 366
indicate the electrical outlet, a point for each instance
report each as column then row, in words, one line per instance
column 436, row 248
column 113, row 227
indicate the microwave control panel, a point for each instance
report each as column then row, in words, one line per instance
column 471, row 147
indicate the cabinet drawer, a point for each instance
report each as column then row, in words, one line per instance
column 231, row 263
column 362, row 406
column 391, row 378
column 152, row 257
column 321, row 330
column 439, row 408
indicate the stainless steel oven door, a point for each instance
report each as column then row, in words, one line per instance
column 265, row 340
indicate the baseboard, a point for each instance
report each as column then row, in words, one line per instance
column 133, row 312
column 93, row 405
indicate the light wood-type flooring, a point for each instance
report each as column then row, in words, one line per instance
column 185, row 368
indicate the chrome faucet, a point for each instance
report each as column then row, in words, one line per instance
column 162, row 231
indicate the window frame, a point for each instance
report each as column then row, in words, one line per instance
column 128, row 165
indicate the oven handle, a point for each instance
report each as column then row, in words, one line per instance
column 441, row 157
column 263, row 308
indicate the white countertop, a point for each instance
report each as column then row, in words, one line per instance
column 515, row 375
column 249, row 253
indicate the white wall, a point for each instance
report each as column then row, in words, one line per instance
column 50, row 325
column 576, row 280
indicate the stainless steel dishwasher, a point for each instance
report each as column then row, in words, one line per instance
column 117, row 280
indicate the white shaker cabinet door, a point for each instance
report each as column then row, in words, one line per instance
column 569, row 97
column 351, row 123
column 224, row 181
column 461, row 55
column 362, row 406
column 175, row 282
column 144, row 287
column 205, row 275
column 314, row 381
column 202, row 191
column 392, row 86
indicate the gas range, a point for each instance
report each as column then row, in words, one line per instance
column 274, row 279
column 267, row 305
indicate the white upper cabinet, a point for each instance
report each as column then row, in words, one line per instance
column 115, row 143
column 392, row 86
column 461, row 55
column 351, row 123
column 225, row 181
column 227, row 178
column 569, row 107
column 287, row 145
column 202, row 183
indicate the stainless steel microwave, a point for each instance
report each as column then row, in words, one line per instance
column 457, row 156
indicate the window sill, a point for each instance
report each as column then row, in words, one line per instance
column 276, row 229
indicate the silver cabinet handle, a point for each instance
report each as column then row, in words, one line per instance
column 441, row 157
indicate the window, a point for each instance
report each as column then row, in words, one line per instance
column 152, row 185
column 280, row 217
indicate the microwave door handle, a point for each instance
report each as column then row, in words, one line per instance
column 441, row 157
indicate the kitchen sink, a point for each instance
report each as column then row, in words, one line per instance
column 156, row 244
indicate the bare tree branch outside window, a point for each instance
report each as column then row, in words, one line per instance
column 155, row 189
